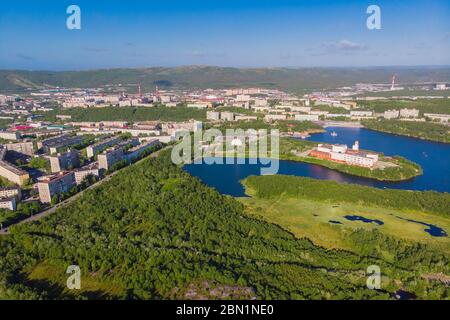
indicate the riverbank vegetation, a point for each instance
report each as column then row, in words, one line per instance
column 421, row 130
column 423, row 105
column 331, row 191
column 153, row 231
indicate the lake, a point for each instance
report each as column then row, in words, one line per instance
column 432, row 156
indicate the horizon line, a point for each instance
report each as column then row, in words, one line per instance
column 230, row 67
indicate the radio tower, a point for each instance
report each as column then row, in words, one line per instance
column 393, row 82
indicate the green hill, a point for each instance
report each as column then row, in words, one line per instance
column 292, row 79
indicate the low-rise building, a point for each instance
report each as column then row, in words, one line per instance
column 227, row 116
column 199, row 105
column 409, row 113
column 391, row 114
column 438, row 117
column 245, row 118
column 10, row 135
column 50, row 186
column 300, row 109
column 172, row 128
column 306, row 117
column 361, row 113
column 274, row 117
column 213, row 115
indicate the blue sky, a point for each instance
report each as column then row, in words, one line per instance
column 240, row 33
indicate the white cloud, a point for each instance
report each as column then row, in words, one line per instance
column 347, row 45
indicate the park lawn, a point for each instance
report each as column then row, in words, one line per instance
column 310, row 219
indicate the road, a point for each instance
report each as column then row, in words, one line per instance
column 51, row 210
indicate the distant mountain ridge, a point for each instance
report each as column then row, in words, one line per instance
column 290, row 79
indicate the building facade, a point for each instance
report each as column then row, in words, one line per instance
column 53, row 185
column 64, row 161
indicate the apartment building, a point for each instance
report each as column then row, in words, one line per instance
column 50, row 186
column 21, row 147
column 8, row 192
column 109, row 158
column 54, row 144
column 98, row 147
column 8, row 203
column 13, row 174
column 10, row 135
column 135, row 152
column 82, row 173
column 64, row 161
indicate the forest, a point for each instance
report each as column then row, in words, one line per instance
column 153, row 232
column 131, row 114
column 283, row 126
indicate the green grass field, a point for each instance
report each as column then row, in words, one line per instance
column 311, row 219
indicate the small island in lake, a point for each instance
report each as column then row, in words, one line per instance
column 357, row 162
